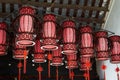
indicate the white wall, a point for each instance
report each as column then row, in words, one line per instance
column 112, row 24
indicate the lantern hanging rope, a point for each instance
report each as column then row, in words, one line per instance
column 49, row 33
column 3, row 41
column 25, row 26
column 69, row 37
column 114, row 49
column 86, row 41
column 101, row 45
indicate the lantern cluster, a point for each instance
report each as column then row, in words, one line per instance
column 90, row 42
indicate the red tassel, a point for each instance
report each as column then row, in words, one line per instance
column 56, row 72
column 39, row 76
column 19, row 70
column 88, row 74
column 104, row 68
column 49, row 68
column 118, row 76
column 69, row 73
column 85, row 75
column 72, row 75
column 49, row 58
column 39, row 69
column 25, row 61
column 117, row 70
column 104, row 76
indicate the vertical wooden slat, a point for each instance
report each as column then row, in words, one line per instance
column 92, row 4
column 68, row 10
column 85, row 4
column 60, row 9
column 11, row 10
column 77, row 2
column 45, row 0
column 75, row 10
column 107, row 5
column 3, row 7
column 52, row 9
column 100, row 5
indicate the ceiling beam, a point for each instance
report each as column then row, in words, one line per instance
column 56, row 5
column 95, row 20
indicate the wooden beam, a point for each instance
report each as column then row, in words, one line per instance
column 56, row 5
column 94, row 20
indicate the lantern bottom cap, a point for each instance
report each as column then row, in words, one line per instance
column 49, row 47
column 69, row 52
column 57, row 64
column 85, row 69
column 2, row 53
column 71, row 67
column 101, row 59
column 25, row 43
column 19, row 57
column 39, row 60
column 87, row 55
column 114, row 62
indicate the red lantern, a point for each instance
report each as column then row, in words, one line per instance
column 71, row 57
column 19, row 52
column 49, row 33
column 69, row 37
column 39, row 55
column 71, row 64
column 86, row 41
column 115, row 49
column 83, row 61
column 57, row 59
column 26, row 26
column 3, row 44
column 101, row 45
column 39, row 58
column 57, row 53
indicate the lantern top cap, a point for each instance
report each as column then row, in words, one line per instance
column 49, row 17
column 115, row 38
column 86, row 29
column 101, row 34
column 3, row 25
column 27, row 10
column 68, row 23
